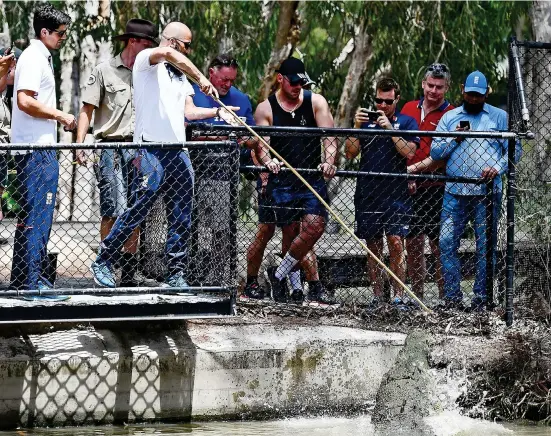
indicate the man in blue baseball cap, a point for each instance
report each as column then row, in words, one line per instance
column 476, row 158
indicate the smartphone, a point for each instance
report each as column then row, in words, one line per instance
column 465, row 124
column 372, row 115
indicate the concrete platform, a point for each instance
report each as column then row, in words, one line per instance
column 134, row 372
column 83, row 308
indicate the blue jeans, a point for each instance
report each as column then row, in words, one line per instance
column 37, row 177
column 159, row 172
column 457, row 210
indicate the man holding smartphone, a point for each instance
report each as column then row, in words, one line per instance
column 382, row 204
column 469, row 157
column 427, row 195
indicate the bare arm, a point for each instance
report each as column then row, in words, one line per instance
column 405, row 148
column 6, row 62
column 32, row 107
column 263, row 117
column 352, row 145
column 182, row 62
column 84, row 120
column 323, row 116
column 427, row 165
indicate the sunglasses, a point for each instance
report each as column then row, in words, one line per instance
column 186, row 44
column 438, row 68
column 388, row 101
column 61, row 33
column 296, row 82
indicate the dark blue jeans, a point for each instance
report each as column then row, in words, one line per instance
column 37, row 178
column 457, row 210
column 158, row 172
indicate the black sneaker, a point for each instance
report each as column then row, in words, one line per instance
column 318, row 294
column 374, row 305
column 253, row 290
column 280, row 291
column 451, row 305
column 297, row 296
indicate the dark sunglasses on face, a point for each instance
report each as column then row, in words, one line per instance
column 61, row 33
column 296, row 82
column 388, row 101
column 186, row 44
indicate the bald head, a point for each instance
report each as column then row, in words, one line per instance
column 177, row 30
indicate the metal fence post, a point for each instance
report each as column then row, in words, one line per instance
column 490, row 246
column 510, row 257
column 234, row 215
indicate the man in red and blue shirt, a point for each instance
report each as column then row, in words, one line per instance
column 427, row 195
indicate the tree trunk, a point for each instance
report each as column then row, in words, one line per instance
column 344, row 117
column 351, row 94
column 540, row 15
column 5, row 40
column 287, row 36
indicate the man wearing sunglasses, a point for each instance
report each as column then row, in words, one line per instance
column 427, row 196
column 477, row 158
column 108, row 94
column 382, row 204
column 34, row 120
column 163, row 99
column 295, row 208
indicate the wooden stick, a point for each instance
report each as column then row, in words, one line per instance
column 325, row 204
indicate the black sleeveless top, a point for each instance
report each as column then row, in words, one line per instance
column 300, row 152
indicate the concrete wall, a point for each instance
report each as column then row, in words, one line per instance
column 188, row 370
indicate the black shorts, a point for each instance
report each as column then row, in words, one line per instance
column 427, row 207
column 378, row 217
column 284, row 205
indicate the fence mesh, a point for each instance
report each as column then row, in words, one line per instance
column 530, row 70
column 399, row 215
column 176, row 217
column 213, row 216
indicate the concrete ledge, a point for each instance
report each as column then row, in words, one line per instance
column 188, row 370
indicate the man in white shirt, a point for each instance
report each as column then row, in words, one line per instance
column 162, row 98
column 34, row 120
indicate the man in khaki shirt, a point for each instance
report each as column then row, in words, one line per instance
column 108, row 94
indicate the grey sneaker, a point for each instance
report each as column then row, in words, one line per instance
column 103, row 274
column 175, row 281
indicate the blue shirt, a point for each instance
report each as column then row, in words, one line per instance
column 234, row 97
column 472, row 155
column 379, row 154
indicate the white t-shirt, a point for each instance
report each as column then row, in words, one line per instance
column 160, row 101
column 34, row 72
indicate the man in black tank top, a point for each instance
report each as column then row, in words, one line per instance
column 301, row 215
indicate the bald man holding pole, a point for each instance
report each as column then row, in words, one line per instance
column 162, row 98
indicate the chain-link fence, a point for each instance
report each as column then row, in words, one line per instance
column 529, row 105
column 212, row 218
column 443, row 235
column 170, row 214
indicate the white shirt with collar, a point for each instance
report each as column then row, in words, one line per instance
column 160, row 100
column 34, row 72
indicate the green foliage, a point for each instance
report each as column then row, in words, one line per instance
column 406, row 36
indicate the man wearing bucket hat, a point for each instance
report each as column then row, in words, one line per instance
column 470, row 157
column 108, row 92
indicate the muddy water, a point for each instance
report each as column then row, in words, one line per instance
column 359, row 426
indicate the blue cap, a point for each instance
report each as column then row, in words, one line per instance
column 476, row 82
